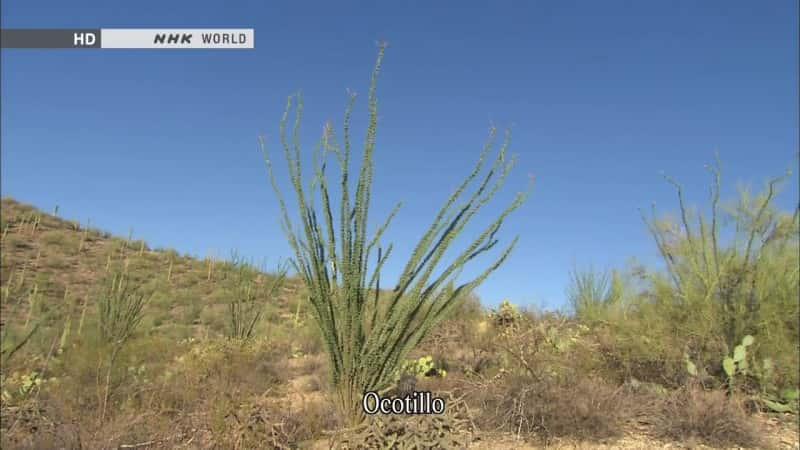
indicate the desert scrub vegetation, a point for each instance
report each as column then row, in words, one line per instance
column 539, row 381
column 55, row 360
column 366, row 337
column 597, row 296
column 710, row 417
column 511, row 372
column 740, row 284
column 247, row 305
column 717, row 291
column 718, row 324
column 119, row 311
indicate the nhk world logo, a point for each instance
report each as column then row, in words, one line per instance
column 206, row 38
column 194, row 38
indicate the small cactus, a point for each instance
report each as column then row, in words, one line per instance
column 505, row 315
column 737, row 363
column 416, row 369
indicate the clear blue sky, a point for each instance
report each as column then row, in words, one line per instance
column 603, row 96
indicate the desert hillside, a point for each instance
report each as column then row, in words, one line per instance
column 224, row 354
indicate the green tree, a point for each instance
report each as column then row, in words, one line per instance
column 726, row 282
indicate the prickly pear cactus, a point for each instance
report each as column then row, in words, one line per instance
column 407, row 376
column 422, row 367
column 737, row 363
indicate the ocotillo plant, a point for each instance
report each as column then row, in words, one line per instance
column 120, row 308
column 247, row 305
column 11, row 343
column 367, row 335
column 210, row 263
column 67, row 324
column 36, row 221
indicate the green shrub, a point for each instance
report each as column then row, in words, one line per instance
column 191, row 312
column 599, row 296
column 744, row 285
column 729, row 273
column 62, row 240
column 55, row 262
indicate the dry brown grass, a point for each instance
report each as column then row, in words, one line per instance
column 540, row 410
column 710, row 417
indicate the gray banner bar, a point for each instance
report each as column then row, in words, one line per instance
column 52, row 38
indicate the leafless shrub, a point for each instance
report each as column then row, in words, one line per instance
column 708, row 416
column 579, row 408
